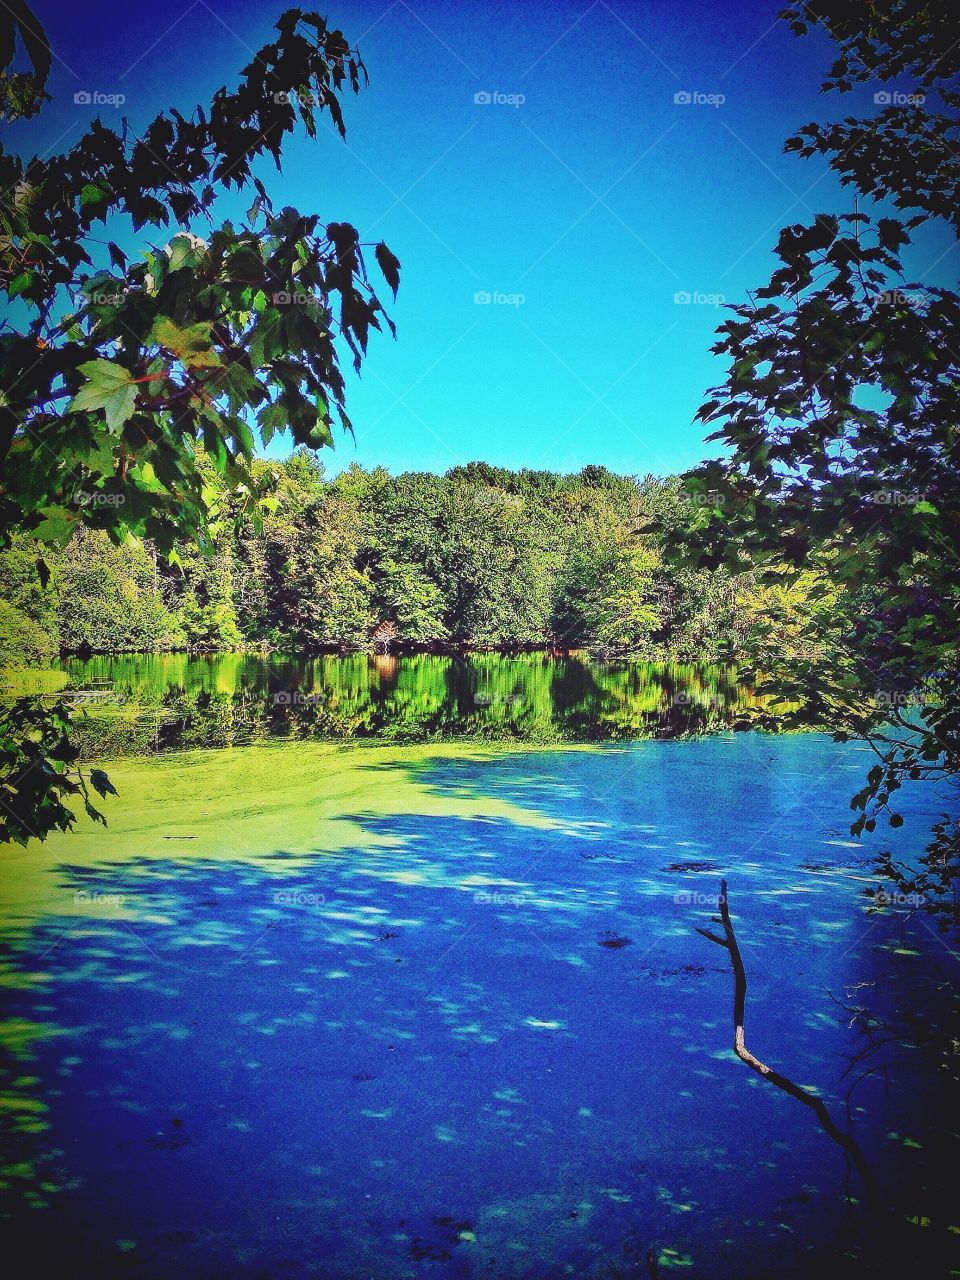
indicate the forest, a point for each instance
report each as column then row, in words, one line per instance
column 481, row 557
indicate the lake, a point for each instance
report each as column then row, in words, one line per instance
column 429, row 1001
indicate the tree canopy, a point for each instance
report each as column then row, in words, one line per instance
column 478, row 557
column 126, row 382
column 839, row 415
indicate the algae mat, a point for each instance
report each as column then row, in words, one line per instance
column 277, row 805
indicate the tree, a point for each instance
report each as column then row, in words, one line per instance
column 29, row 629
column 324, row 596
column 406, row 596
column 124, row 379
column 839, row 413
column 111, row 598
column 607, row 600
column 202, row 594
column 500, row 564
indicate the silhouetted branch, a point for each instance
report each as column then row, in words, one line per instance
column 817, row 1105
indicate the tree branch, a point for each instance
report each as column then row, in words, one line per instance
column 817, row 1105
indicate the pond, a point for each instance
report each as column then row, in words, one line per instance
column 438, row 1009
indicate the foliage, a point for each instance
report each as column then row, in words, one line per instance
column 28, row 613
column 471, row 558
column 111, row 599
column 608, row 594
column 839, row 413
column 119, row 371
column 37, row 773
column 22, row 92
column 126, row 382
column 22, row 640
column 201, row 594
column 908, row 152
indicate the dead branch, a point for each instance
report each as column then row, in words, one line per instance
column 816, row 1105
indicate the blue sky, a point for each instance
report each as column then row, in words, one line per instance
column 582, row 211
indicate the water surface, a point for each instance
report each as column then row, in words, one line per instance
column 439, row 1010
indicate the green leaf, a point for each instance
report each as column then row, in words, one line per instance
column 57, row 525
column 192, row 346
column 273, row 418
column 93, row 813
column 19, row 284
column 266, row 338
column 109, row 387
column 321, row 435
column 185, row 251
column 92, row 193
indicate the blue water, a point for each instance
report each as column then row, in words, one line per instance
column 407, row 1071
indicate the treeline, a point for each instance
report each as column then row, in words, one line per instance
column 480, row 557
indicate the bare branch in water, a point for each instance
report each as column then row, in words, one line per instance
column 817, row 1105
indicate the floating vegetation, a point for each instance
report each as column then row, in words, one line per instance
column 440, row 1238
column 691, row 867
column 613, row 941
column 684, row 971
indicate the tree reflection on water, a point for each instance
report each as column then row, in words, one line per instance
column 139, row 704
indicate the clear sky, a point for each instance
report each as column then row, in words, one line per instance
column 582, row 198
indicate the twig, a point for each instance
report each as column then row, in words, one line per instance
column 817, row 1105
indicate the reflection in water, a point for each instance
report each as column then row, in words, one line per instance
column 139, row 704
